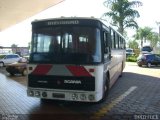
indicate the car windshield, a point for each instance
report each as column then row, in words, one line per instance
column 129, row 50
column 147, row 48
column 66, row 45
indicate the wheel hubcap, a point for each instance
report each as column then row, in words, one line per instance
column 1, row 64
column 149, row 64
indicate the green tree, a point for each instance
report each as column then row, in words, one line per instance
column 133, row 44
column 143, row 34
column 14, row 48
column 153, row 38
column 122, row 13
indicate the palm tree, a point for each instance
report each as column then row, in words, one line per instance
column 158, row 24
column 143, row 34
column 122, row 13
column 133, row 44
column 153, row 38
column 14, row 48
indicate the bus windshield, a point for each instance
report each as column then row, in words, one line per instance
column 66, row 45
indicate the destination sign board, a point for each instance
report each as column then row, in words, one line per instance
column 64, row 22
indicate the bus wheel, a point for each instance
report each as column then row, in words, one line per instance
column 105, row 90
column 12, row 74
column 121, row 70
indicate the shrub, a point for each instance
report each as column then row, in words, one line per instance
column 131, row 58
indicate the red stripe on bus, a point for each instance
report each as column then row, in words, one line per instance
column 78, row 71
column 42, row 69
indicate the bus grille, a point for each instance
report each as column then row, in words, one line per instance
column 62, row 82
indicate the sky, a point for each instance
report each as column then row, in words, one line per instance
column 20, row 34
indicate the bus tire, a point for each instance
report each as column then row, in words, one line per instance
column 105, row 90
column 12, row 74
column 121, row 70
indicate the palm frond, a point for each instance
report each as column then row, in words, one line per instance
column 113, row 16
column 131, row 13
column 109, row 3
column 122, row 14
column 130, row 23
column 133, row 4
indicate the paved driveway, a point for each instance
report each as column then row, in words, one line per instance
column 135, row 95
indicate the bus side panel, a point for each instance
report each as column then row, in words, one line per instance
column 117, row 65
column 99, row 80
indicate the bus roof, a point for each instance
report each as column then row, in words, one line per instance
column 104, row 22
column 67, row 21
column 66, row 18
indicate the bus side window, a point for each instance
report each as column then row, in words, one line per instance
column 106, row 43
column 120, row 42
column 124, row 44
column 116, row 41
column 112, row 38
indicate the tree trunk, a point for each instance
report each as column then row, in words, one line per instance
column 141, row 43
column 121, row 29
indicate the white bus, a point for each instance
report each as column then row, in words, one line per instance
column 74, row 59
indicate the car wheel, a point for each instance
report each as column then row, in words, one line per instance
column 121, row 70
column 139, row 65
column 12, row 74
column 1, row 64
column 149, row 65
column 156, row 64
column 24, row 73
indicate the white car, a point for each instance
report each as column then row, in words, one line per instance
column 129, row 51
column 146, row 50
column 6, row 59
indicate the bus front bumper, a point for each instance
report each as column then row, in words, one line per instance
column 81, row 96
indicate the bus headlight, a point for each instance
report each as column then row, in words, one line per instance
column 74, row 96
column 83, row 97
column 31, row 93
column 44, row 94
column 37, row 94
column 91, row 97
